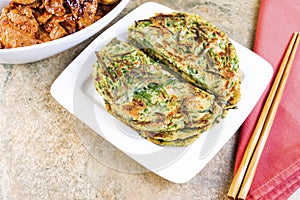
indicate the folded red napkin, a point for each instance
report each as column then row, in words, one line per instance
column 278, row 172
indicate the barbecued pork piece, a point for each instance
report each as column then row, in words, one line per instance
column 18, row 28
column 84, row 11
column 60, row 26
column 55, row 7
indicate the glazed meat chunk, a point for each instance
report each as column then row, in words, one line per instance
column 18, row 28
column 84, row 11
column 58, row 27
column 55, row 7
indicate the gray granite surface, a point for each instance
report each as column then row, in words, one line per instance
column 47, row 153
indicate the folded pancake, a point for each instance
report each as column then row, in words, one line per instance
column 150, row 98
column 196, row 49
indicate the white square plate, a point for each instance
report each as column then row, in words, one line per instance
column 74, row 90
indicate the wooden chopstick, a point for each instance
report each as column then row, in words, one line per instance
column 244, row 176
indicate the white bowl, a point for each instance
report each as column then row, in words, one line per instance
column 38, row 52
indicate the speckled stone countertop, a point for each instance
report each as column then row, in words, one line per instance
column 47, row 153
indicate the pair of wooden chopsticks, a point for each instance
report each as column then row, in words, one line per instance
column 243, row 178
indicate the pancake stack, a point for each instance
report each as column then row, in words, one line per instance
column 176, row 77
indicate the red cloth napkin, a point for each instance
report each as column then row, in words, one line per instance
column 278, row 172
